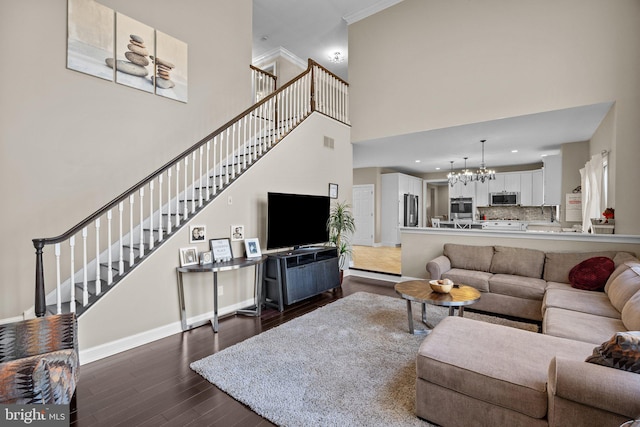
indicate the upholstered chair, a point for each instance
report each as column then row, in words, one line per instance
column 39, row 360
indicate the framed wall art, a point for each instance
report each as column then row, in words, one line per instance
column 197, row 233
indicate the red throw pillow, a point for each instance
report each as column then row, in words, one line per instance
column 591, row 274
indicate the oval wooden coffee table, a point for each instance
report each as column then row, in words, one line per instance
column 420, row 291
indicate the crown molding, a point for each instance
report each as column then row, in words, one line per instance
column 280, row 52
column 368, row 11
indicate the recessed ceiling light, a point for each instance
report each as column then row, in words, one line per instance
column 514, row 151
column 437, row 169
column 417, row 161
column 543, row 155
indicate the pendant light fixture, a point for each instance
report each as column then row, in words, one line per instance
column 452, row 177
column 483, row 174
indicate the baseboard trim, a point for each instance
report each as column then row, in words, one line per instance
column 101, row 351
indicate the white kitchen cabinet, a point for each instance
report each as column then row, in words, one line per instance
column 461, row 190
column 393, row 187
column 507, row 181
column 552, row 176
column 482, row 193
column 526, row 188
column 512, row 182
column 531, row 188
column 537, row 188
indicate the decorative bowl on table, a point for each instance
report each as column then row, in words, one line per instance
column 443, row 286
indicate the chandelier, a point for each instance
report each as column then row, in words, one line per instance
column 483, row 174
column 452, row 177
column 464, row 176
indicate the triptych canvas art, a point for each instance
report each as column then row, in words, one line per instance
column 115, row 47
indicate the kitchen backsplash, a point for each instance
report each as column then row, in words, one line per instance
column 521, row 213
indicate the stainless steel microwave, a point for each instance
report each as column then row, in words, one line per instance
column 504, row 199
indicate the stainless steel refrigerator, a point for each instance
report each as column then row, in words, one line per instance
column 410, row 210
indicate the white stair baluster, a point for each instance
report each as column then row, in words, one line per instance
column 109, row 255
column 185, row 214
column 220, row 161
column 244, row 143
column 141, row 226
column 207, row 169
column 177, row 194
column 160, row 231
column 72, row 302
column 169, row 201
column 233, row 150
column 252, row 133
column 193, row 182
column 132, row 257
column 98, row 281
column 200, row 198
column 151, row 235
column 58, row 292
column 226, row 162
column 213, row 179
column 85, row 277
column 120, row 240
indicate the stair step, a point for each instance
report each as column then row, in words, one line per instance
column 91, row 288
column 65, row 307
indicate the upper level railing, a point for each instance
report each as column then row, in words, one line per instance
column 264, row 83
column 91, row 257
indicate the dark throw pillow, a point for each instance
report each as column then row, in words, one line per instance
column 591, row 274
column 622, row 351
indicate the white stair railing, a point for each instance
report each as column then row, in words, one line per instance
column 201, row 173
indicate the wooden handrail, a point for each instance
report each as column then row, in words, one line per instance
column 253, row 67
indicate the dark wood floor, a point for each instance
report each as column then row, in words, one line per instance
column 152, row 385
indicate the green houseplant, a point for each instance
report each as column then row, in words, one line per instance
column 340, row 225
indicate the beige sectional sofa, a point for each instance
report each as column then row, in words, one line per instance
column 476, row 373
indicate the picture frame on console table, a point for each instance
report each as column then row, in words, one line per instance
column 221, row 249
column 206, row 257
column 188, row 256
column 252, row 248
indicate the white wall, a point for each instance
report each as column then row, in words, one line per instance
column 429, row 64
column 71, row 142
column 147, row 299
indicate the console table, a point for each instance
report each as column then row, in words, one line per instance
column 215, row 268
column 292, row 276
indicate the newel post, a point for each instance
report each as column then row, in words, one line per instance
column 40, row 303
column 313, row 86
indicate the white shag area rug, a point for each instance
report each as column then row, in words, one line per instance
column 350, row 363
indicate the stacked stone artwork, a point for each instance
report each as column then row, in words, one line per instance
column 137, row 55
column 163, row 73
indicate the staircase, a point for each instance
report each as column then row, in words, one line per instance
column 84, row 263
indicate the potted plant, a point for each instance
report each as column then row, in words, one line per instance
column 340, row 224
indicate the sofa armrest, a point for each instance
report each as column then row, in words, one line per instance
column 436, row 267
column 597, row 386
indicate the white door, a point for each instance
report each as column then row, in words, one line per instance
column 363, row 206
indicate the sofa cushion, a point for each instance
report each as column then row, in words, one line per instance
column 631, row 313
column 518, row 261
column 624, row 286
column 557, row 265
column 620, row 268
column 469, row 257
column 517, row 286
column 579, row 326
column 477, row 359
column 591, row 274
column 583, row 301
column 477, row 279
column 622, row 351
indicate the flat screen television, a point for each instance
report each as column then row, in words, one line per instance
column 295, row 220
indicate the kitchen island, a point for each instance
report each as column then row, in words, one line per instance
column 502, row 225
column 421, row 244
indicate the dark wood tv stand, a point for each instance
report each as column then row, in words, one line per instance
column 292, row 276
